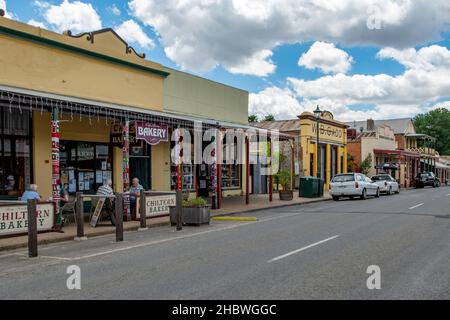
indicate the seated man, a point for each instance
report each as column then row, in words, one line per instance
column 135, row 191
column 106, row 190
column 31, row 193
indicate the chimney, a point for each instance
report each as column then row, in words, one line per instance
column 370, row 125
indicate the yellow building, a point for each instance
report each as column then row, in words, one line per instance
column 332, row 146
column 92, row 84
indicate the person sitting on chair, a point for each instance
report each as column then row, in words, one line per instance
column 31, row 193
column 106, row 190
column 135, row 191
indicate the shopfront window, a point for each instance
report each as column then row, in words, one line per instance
column 15, row 152
column 84, row 165
column 187, row 171
column 231, row 173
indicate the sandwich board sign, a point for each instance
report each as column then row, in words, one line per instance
column 97, row 212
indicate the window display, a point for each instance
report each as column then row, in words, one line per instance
column 15, row 151
column 188, row 177
column 84, row 165
column 231, row 176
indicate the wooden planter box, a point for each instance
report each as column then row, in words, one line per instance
column 192, row 215
column 286, row 195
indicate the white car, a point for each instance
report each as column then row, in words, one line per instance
column 386, row 183
column 353, row 185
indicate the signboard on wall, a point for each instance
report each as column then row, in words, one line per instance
column 14, row 218
column 157, row 205
column 151, row 133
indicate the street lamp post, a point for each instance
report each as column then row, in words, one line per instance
column 318, row 114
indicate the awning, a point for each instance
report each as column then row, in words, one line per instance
column 440, row 165
column 396, row 153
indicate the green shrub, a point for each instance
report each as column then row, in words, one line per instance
column 196, row 202
column 284, row 178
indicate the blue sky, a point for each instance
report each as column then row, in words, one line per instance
column 256, row 46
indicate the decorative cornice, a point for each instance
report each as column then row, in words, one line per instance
column 63, row 46
column 91, row 35
column 322, row 120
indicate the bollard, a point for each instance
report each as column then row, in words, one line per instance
column 142, row 212
column 179, row 210
column 79, row 212
column 119, row 217
column 32, row 229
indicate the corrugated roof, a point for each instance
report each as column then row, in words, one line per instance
column 282, row 125
column 398, row 125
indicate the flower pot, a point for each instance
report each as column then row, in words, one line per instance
column 286, row 195
column 196, row 215
column 191, row 215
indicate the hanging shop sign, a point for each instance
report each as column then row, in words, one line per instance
column 14, row 218
column 151, row 133
column 157, row 205
column 116, row 136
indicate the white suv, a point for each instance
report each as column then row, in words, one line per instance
column 353, row 185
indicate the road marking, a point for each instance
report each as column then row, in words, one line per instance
column 234, row 218
column 419, row 205
column 301, row 249
column 10, row 255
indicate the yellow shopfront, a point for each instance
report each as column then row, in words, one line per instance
column 332, row 156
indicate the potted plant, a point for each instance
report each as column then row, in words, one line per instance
column 194, row 211
column 284, row 178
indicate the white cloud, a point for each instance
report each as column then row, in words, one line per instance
column 280, row 102
column 326, row 57
column 75, row 16
column 37, row 24
column 427, row 58
column 133, row 33
column 441, row 105
column 41, row 4
column 259, row 65
column 201, row 34
column 425, row 81
column 3, row 6
column 114, row 10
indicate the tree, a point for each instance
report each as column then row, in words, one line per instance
column 252, row 118
column 269, row 117
column 366, row 165
column 435, row 123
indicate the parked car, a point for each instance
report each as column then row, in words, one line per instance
column 353, row 185
column 425, row 179
column 386, row 183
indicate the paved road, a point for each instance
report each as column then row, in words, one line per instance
column 317, row 251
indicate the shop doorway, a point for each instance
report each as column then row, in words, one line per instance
column 140, row 164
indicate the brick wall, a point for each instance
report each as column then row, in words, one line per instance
column 354, row 149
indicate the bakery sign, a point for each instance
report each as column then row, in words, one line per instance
column 151, row 133
column 14, row 218
column 157, row 205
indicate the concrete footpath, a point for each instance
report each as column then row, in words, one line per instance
column 230, row 206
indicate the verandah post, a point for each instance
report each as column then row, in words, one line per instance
column 32, row 229
column 55, row 167
column 126, row 168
